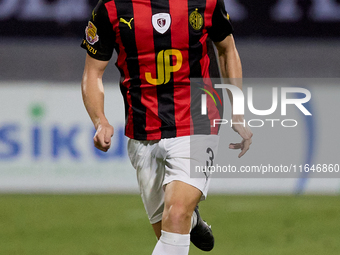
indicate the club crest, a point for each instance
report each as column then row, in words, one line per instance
column 161, row 22
column 91, row 33
column 196, row 20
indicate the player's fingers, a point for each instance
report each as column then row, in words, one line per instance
column 98, row 140
column 243, row 152
column 95, row 139
column 98, row 144
column 245, row 147
column 102, row 147
column 105, row 145
column 235, row 146
column 107, row 140
column 99, row 147
column 108, row 135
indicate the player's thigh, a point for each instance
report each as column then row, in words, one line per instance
column 157, row 227
column 183, row 154
column 148, row 161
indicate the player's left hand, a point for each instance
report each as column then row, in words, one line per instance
column 244, row 131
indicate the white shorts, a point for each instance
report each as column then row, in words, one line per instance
column 160, row 162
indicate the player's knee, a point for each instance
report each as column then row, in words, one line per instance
column 178, row 214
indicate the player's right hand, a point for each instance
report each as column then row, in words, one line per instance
column 102, row 138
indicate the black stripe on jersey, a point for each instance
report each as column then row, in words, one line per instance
column 124, row 92
column 214, row 70
column 195, row 50
column 165, row 92
column 221, row 26
column 201, row 123
column 125, row 10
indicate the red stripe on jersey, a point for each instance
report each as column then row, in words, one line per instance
column 208, row 13
column 112, row 12
column 146, row 59
column 213, row 112
column 192, row 130
column 205, row 60
column 178, row 10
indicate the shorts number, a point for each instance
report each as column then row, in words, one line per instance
column 211, row 157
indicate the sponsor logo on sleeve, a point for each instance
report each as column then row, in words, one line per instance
column 91, row 33
column 89, row 47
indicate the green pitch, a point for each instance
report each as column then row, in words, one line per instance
column 117, row 224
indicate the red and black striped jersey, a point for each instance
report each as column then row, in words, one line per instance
column 166, row 61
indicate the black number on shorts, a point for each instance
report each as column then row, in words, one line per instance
column 211, row 157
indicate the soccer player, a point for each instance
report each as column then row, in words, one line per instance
column 162, row 47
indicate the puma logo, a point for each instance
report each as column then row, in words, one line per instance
column 93, row 15
column 125, row 22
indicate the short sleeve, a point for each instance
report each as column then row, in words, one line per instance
column 99, row 38
column 221, row 26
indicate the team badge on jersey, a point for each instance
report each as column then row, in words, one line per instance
column 161, row 22
column 196, row 20
column 91, row 33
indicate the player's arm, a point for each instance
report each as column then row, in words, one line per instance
column 230, row 62
column 220, row 33
column 231, row 69
column 99, row 41
column 93, row 97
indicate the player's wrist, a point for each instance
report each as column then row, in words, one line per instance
column 237, row 118
column 101, row 122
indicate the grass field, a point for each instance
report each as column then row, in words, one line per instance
column 117, row 224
